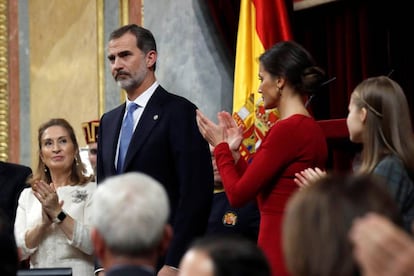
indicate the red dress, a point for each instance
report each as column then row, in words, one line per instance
column 291, row 145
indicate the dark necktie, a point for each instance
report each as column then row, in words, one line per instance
column 126, row 134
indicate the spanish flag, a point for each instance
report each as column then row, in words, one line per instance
column 262, row 23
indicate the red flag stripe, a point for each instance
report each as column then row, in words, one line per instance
column 272, row 21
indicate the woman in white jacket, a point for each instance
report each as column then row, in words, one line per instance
column 52, row 219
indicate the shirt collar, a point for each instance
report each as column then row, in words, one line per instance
column 143, row 99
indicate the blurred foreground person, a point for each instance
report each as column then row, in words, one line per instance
column 381, row 248
column 318, row 219
column 139, row 208
column 224, row 256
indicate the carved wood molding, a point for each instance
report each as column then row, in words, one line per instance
column 4, row 91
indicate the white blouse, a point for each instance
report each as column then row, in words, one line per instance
column 56, row 250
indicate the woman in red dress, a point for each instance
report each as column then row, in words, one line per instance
column 295, row 142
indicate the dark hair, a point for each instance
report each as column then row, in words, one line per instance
column 145, row 39
column 318, row 219
column 290, row 60
column 78, row 174
column 233, row 255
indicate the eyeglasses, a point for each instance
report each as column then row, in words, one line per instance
column 93, row 151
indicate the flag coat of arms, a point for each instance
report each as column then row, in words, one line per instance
column 262, row 23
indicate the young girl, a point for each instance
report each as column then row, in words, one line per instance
column 379, row 119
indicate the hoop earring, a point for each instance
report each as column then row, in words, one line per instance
column 279, row 91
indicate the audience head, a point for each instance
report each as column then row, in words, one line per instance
column 224, row 256
column 130, row 213
column 289, row 60
column 318, row 219
column 9, row 259
column 57, row 135
column 90, row 131
column 379, row 118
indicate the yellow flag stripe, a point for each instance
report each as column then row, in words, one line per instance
column 249, row 48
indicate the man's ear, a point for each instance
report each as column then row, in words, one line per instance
column 98, row 243
column 363, row 114
column 166, row 239
column 151, row 58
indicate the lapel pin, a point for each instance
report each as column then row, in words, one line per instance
column 155, row 117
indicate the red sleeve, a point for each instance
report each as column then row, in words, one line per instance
column 279, row 148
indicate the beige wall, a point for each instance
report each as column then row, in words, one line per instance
column 63, row 64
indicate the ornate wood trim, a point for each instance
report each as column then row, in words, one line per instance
column 136, row 11
column 4, row 77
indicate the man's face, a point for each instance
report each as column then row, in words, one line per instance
column 129, row 65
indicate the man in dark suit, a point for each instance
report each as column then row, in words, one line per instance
column 13, row 179
column 166, row 143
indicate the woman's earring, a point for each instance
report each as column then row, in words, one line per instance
column 76, row 161
column 45, row 168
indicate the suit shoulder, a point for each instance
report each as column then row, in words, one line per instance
column 115, row 110
column 18, row 168
column 177, row 99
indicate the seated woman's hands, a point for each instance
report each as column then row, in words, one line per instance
column 308, row 176
column 47, row 196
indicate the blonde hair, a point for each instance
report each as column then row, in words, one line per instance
column 78, row 173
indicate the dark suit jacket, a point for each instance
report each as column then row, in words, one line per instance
column 168, row 146
column 129, row 270
column 227, row 220
column 12, row 181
